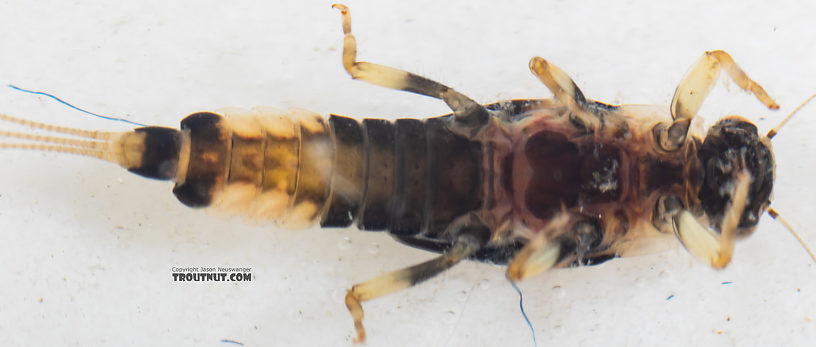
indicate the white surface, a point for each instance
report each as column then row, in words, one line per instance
column 86, row 248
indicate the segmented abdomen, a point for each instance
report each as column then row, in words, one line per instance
column 295, row 168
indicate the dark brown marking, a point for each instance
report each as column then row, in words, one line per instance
column 348, row 184
column 566, row 173
column 408, row 211
column 161, row 153
column 379, row 188
column 454, row 184
column 209, row 153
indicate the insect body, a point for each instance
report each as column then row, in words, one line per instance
column 535, row 184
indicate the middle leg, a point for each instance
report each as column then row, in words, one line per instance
column 590, row 113
column 562, row 242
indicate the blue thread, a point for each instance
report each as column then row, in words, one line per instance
column 670, row 297
column 521, row 306
column 727, row 282
column 72, row 106
column 231, row 341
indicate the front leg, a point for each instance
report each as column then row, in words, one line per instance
column 715, row 250
column 694, row 88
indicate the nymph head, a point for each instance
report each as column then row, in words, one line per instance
column 732, row 146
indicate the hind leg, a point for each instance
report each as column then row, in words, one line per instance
column 464, row 108
column 469, row 240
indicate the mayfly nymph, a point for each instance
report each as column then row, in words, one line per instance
column 535, row 184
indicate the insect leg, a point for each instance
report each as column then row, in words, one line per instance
column 469, row 240
column 564, row 89
column 715, row 250
column 463, row 107
column 559, row 83
column 693, row 89
column 540, row 254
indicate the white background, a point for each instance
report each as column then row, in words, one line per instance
column 86, row 248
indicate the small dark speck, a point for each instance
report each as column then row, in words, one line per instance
column 798, row 290
column 670, row 297
column 727, row 282
column 232, row 341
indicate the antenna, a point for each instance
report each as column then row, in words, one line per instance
column 775, row 129
column 775, row 215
